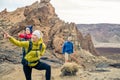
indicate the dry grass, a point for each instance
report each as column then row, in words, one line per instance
column 69, row 69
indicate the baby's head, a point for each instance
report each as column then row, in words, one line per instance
column 28, row 29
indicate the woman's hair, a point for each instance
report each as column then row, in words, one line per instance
column 38, row 33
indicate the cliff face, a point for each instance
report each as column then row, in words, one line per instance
column 102, row 33
column 43, row 17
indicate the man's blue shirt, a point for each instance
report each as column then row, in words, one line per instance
column 67, row 47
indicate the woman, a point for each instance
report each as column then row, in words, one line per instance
column 30, row 58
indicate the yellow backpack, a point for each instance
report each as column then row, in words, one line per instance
column 34, row 63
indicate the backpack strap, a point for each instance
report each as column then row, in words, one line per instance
column 30, row 46
column 40, row 47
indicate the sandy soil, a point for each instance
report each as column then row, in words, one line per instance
column 108, row 73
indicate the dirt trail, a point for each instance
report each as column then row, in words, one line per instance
column 109, row 73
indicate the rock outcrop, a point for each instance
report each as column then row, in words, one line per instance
column 43, row 17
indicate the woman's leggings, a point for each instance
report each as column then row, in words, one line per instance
column 40, row 66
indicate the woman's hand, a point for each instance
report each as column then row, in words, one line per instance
column 6, row 35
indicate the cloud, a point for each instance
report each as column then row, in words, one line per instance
column 111, row 0
column 88, row 11
column 13, row 4
column 79, row 11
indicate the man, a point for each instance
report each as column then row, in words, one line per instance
column 31, row 58
column 67, row 49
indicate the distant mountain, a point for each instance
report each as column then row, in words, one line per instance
column 107, row 33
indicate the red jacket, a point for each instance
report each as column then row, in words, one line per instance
column 25, row 36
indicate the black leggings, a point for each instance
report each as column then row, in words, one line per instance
column 40, row 66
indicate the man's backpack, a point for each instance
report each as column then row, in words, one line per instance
column 24, row 61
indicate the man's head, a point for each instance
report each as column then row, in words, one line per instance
column 69, row 38
column 36, row 35
column 28, row 29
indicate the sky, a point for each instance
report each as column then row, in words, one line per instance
column 78, row 11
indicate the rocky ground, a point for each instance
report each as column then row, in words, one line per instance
column 96, row 68
column 14, row 72
column 101, row 71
